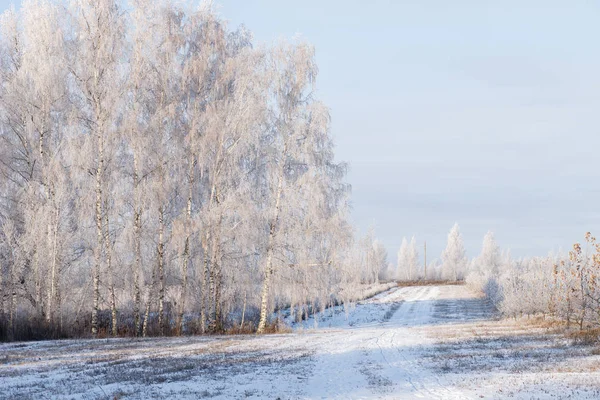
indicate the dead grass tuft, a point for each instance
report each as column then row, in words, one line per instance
column 585, row 337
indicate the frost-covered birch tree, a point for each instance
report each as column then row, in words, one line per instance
column 401, row 268
column 454, row 259
column 413, row 260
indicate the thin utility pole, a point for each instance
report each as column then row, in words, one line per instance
column 425, row 262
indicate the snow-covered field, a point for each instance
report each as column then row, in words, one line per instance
column 427, row 342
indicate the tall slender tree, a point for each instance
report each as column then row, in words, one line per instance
column 454, row 260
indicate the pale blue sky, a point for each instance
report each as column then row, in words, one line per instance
column 485, row 113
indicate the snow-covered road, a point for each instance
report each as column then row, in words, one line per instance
column 422, row 342
column 381, row 358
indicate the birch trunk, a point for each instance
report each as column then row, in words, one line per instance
column 270, row 248
column 244, row 310
column 48, row 271
column 137, row 249
column 38, row 282
column 210, row 295
column 148, row 303
column 53, row 292
column 203, row 286
column 2, row 291
column 38, row 289
column 99, row 236
column 212, row 272
column 186, row 248
column 111, row 277
column 13, row 301
column 161, row 271
column 216, row 276
column 184, row 273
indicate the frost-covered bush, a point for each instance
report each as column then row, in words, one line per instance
column 566, row 288
column 484, row 271
column 525, row 287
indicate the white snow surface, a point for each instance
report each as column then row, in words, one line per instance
column 420, row 342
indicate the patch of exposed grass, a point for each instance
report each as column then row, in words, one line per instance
column 428, row 283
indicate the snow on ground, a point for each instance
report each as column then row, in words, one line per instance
column 426, row 342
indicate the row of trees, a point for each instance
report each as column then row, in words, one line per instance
column 159, row 173
column 453, row 265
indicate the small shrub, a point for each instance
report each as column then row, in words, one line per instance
column 248, row 328
column 277, row 326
